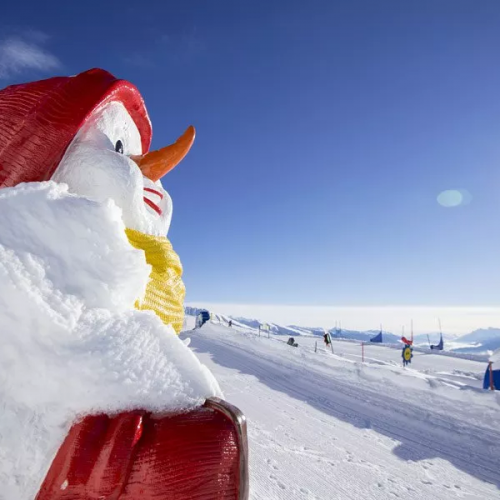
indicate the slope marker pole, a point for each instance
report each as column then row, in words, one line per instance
column 492, row 384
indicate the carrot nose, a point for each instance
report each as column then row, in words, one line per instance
column 155, row 164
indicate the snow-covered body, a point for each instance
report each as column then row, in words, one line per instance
column 71, row 341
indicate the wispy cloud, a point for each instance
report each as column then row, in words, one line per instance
column 19, row 54
column 457, row 320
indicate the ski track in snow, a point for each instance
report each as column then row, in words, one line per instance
column 316, row 435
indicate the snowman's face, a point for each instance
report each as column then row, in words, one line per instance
column 97, row 164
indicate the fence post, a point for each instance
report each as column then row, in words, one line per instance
column 492, row 385
column 269, row 333
column 362, row 352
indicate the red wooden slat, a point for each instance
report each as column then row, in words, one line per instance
column 193, row 455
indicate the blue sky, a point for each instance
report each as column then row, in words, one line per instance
column 326, row 131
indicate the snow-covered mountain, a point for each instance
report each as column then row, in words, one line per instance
column 294, row 330
column 477, row 342
column 388, row 338
column 484, row 340
column 433, row 337
column 482, row 335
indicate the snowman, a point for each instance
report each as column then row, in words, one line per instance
column 92, row 133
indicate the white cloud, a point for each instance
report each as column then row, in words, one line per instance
column 18, row 55
column 457, row 320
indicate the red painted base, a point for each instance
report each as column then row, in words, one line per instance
column 199, row 455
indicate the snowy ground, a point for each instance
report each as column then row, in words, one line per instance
column 448, row 369
column 325, row 426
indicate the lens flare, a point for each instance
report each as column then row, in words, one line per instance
column 454, row 198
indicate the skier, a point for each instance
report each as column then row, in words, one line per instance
column 327, row 339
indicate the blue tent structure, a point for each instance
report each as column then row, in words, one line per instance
column 492, row 376
column 377, row 338
column 440, row 346
column 202, row 318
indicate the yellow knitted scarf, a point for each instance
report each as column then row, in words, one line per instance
column 165, row 291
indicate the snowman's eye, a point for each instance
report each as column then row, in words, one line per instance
column 119, row 147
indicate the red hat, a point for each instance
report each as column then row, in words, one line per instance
column 38, row 120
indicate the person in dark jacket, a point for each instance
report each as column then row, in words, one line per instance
column 327, row 339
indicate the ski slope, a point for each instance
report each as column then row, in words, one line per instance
column 453, row 369
column 326, row 426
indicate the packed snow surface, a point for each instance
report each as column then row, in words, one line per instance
column 326, row 425
column 71, row 342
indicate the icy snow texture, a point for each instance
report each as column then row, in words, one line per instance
column 327, row 426
column 71, row 342
column 92, row 168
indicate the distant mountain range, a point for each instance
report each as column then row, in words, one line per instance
column 477, row 342
column 481, row 335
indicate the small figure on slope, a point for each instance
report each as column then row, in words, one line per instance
column 327, row 339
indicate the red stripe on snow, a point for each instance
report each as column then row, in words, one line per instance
column 154, row 191
column 152, row 205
